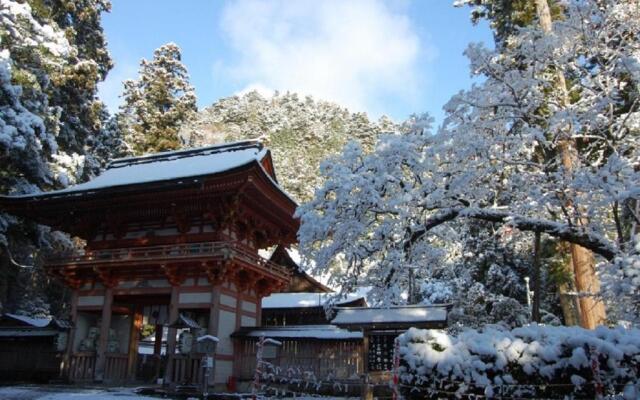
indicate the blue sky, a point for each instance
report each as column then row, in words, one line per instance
column 382, row 57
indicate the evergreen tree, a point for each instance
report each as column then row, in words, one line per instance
column 158, row 103
column 48, row 78
column 81, row 115
column 506, row 16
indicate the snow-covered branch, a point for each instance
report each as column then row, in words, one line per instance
column 572, row 234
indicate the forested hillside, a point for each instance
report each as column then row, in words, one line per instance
column 299, row 131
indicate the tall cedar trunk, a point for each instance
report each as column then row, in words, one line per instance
column 535, row 309
column 591, row 308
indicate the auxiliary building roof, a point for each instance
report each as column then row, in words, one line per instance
column 401, row 317
column 320, row 332
column 304, row 300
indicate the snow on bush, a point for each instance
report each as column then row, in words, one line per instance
column 532, row 361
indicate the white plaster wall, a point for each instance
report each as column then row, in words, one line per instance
column 157, row 283
column 247, row 321
column 226, row 326
column 248, row 306
column 224, row 369
column 227, row 300
column 127, row 284
column 88, row 301
column 188, row 282
column 186, row 298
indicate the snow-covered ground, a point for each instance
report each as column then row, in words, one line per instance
column 69, row 393
column 64, row 393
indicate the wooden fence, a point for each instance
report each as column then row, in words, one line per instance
column 30, row 359
column 187, row 369
column 82, row 367
column 324, row 358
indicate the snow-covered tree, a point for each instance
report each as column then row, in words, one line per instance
column 81, row 115
column 506, row 16
column 48, row 78
column 158, row 103
column 496, row 160
column 300, row 132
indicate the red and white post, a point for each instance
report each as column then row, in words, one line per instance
column 396, row 369
column 256, row 376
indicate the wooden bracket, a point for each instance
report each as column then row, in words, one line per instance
column 173, row 274
column 106, row 277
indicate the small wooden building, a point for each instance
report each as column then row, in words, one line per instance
column 380, row 327
column 31, row 349
column 284, row 309
column 166, row 234
column 353, row 347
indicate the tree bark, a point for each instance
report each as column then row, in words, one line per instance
column 587, row 283
column 535, row 308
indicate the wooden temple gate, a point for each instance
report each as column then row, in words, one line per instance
column 206, row 294
column 179, row 230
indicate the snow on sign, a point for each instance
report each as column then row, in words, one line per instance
column 401, row 316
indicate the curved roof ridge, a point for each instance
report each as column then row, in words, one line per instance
column 191, row 152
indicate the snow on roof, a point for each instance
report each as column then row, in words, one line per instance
column 303, row 332
column 208, row 337
column 267, row 253
column 173, row 165
column 27, row 333
column 169, row 165
column 299, row 300
column 391, row 315
column 294, row 254
column 35, row 322
column 184, row 322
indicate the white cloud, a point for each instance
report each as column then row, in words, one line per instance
column 110, row 90
column 359, row 53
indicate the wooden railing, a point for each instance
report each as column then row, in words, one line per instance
column 115, row 369
column 186, row 369
column 185, row 251
column 82, row 367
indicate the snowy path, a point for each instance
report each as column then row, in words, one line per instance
column 69, row 393
column 64, row 393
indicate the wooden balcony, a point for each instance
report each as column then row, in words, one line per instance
column 193, row 259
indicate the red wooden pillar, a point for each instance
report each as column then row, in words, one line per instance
column 101, row 359
column 171, row 336
column 65, row 371
column 214, row 311
column 134, row 337
column 214, row 319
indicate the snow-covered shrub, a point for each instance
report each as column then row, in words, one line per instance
column 621, row 284
column 532, row 362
